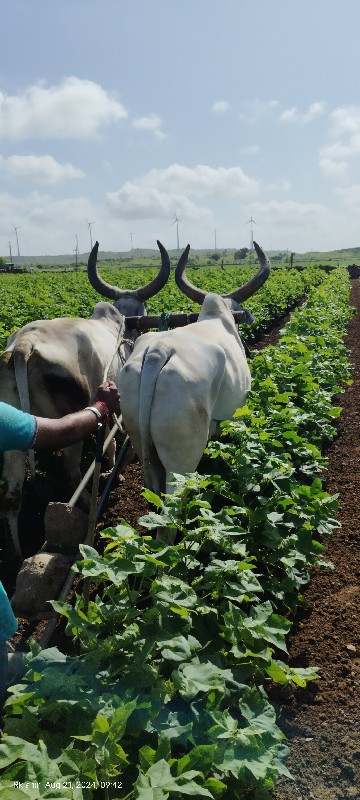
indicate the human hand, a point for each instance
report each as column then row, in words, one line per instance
column 107, row 393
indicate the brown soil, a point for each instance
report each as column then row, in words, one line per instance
column 126, row 502
column 322, row 723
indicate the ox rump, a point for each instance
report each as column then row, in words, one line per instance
column 178, row 385
column 53, row 367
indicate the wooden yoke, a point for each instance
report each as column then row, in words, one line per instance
column 176, row 320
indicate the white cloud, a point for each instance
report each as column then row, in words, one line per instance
column 40, row 169
column 45, row 211
column 152, row 123
column 340, row 150
column 162, row 191
column 73, row 109
column 251, row 150
column 282, row 185
column 257, row 108
column 202, row 180
column 290, row 212
column 334, row 158
column 46, row 225
column 49, row 226
column 350, row 196
column 299, row 226
column 333, row 168
column 220, row 107
column 290, row 115
column 313, row 111
column 136, row 201
column 294, row 115
column 346, row 119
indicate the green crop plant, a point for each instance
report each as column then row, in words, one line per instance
column 24, row 298
column 167, row 695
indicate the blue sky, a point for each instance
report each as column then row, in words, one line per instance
column 128, row 112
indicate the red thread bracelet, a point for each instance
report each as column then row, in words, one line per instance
column 105, row 410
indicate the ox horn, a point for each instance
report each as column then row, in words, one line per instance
column 114, row 292
column 240, row 294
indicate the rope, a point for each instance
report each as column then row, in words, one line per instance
column 165, row 321
column 129, row 342
column 118, row 345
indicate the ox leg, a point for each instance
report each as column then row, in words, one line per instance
column 13, row 476
column 71, row 460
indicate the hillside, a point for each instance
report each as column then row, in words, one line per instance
column 139, row 255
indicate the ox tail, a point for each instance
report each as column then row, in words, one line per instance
column 22, row 353
column 155, row 358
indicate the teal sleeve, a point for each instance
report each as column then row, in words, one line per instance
column 8, row 622
column 17, row 429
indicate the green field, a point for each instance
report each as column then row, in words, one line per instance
column 168, row 693
column 24, row 298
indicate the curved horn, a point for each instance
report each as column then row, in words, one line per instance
column 143, row 293
column 183, row 283
column 249, row 288
column 242, row 293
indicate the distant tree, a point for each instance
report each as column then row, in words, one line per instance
column 215, row 256
column 2, row 260
column 241, row 254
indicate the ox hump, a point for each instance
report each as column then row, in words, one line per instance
column 215, row 306
column 107, row 312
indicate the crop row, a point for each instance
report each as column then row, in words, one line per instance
column 168, row 694
column 24, row 298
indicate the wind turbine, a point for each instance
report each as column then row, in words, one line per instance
column 17, row 240
column 215, row 232
column 177, row 229
column 252, row 222
column 132, row 233
column 76, row 251
column 89, row 224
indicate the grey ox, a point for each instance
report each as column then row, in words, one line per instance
column 53, row 367
column 177, row 385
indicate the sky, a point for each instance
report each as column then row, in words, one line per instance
column 127, row 114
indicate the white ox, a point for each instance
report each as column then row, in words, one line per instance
column 53, row 367
column 178, row 385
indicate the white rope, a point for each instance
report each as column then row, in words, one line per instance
column 119, row 341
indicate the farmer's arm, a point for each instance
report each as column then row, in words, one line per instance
column 21, row 431
column 54, row 434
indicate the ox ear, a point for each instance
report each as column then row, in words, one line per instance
column 247, row 318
